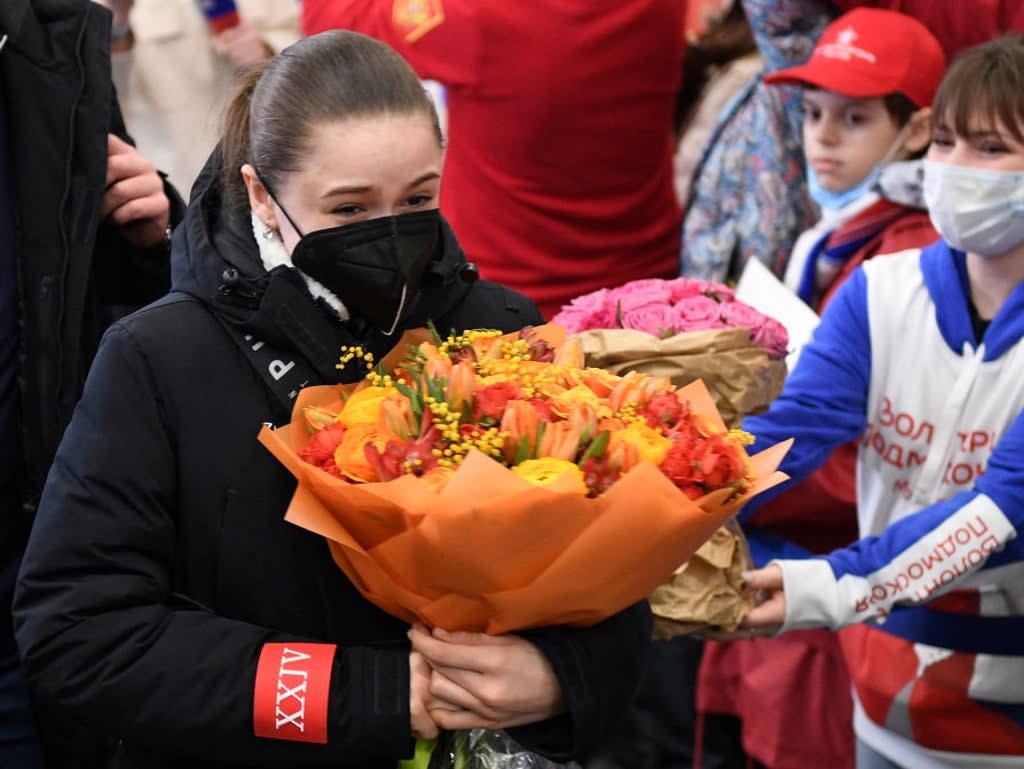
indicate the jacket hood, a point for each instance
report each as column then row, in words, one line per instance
column 945, row 275
column 47, row 31
column 215, row 259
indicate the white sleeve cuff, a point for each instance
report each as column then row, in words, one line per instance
column 812, row 599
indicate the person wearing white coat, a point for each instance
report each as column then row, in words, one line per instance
column 174, row 75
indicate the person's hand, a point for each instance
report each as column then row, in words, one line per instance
column 242, row 46
column 135, row 200
column 420, row 722
column 492, row 682
column 770, row 612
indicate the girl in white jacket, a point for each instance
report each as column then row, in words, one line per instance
column 920, row 354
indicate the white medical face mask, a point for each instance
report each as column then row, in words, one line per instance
column 977, row 211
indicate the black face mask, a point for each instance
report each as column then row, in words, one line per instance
column 374, row 267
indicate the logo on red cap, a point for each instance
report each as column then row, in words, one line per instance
column 844, row 48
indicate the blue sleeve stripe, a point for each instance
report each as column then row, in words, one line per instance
column 823, row 403
column 961, row 632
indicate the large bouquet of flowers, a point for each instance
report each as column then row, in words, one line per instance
column 490, row 482
column 689, row 330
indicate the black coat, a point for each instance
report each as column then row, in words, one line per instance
column 76, row 273
column 160, row 562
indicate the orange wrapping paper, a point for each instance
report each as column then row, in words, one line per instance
column 492, row 552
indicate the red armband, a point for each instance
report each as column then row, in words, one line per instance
column 293, row 682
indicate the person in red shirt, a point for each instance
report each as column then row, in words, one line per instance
column 558, row 177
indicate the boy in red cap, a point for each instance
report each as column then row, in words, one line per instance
column 868, row 87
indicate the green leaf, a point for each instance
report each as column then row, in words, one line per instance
column 433, row 332
column 522, row 451
column 584, row 438
column 540, row 437
column 596, row 447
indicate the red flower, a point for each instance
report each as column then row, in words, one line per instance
column 323, row 443
column 701, row 465
column 411, row 456
column 664, row 410
column 599, row 475
column 490, row 400
column 330, row 467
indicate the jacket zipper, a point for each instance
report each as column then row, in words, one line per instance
column 62, row 216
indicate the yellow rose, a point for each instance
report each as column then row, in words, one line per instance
column 560, row 474
column 651, row 445
column 364, row 406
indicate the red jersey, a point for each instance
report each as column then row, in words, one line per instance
column 558, row 173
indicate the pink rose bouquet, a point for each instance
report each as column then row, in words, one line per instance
column 665, row 308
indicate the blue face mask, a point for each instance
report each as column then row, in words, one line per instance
column 833, row 201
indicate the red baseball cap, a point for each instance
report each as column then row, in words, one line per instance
column 871, row 52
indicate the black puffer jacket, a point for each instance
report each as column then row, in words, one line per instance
column 160, row 563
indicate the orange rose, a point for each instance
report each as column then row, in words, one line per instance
column 350, row 456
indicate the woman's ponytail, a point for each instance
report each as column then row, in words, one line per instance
column 235, row 142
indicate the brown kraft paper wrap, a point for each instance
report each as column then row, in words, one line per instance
column 706, row 591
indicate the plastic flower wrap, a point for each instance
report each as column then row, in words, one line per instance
column 492, row 483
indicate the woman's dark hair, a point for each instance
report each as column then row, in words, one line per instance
column 985, row 82
column 725, row 40
column 325, row 78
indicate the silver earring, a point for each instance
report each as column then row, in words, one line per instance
column 268, row 232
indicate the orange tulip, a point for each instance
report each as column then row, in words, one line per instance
column 461, row 381
column 583, row 417
column 625, row 393
column 396, row 416
column 487, row 347
column 621, row 455
column 437, row 367
column 519, row 421
column 561, row 441
column 318, row 417
column 570, row 354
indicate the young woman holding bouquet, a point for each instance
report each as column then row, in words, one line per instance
column 163, row 600
column 920, row 355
